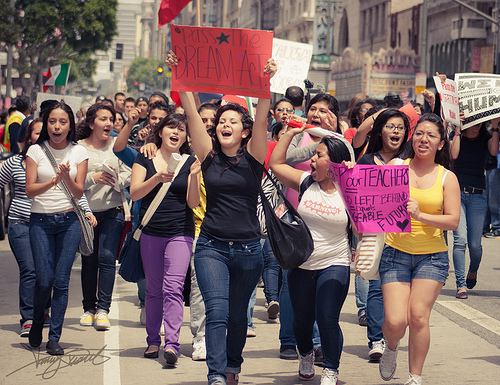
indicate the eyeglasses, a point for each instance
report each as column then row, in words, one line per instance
column 392, row 127
column 364, row 110
column 280, row 109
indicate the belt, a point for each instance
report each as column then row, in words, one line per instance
column 472, row 190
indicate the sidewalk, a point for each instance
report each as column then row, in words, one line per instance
column 456, row 356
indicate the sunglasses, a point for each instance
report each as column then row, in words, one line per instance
column 280, row 109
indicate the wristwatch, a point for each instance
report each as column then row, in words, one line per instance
column 495, row 129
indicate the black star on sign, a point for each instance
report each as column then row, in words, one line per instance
column 222, row 38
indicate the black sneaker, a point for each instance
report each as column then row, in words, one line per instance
column 493, row 234
column 318, row 356
column 362, row 320
column 288, row 352
column 170, row 357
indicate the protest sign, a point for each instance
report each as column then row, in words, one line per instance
column 221, row 60
column 478, row 97
column 449, row 100
column 412, row 116
column 293, row 60
column 74, row 102
column 375, row 196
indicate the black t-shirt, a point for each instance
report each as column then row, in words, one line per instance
column 173, row 216
column 231, row 199
column 471, row 161
column 367, row 159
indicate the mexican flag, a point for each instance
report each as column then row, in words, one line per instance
column 57, row 76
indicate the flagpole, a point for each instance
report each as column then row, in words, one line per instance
column 67, row 77
column 198, row 11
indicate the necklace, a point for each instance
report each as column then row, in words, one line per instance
column 420, row 180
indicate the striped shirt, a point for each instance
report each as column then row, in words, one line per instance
column 12, row 170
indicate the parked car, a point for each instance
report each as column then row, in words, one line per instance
column 6, row 195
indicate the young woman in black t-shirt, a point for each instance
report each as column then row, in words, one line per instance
column 228, row 257
column 167, row 240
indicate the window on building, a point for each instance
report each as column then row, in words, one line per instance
column 119, row 51
column 394, row 30
column 370, row 22
column 375, row 22
column 111, row 66
column 382, row 20
column 363, row 26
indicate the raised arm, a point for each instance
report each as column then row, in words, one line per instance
column 121, row 140
column 257, row 145
column 202, row 143
column 493, row 143
column 364, row 129
column 288, row 175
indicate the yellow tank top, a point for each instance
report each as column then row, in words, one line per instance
column 423, row 239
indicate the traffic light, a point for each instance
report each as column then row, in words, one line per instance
column 160, row 70
column 136, row 84
column 45, row 75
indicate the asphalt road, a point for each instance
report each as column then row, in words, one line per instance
column 465, row 340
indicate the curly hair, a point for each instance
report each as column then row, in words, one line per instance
column 247, row 123
column 84, row 130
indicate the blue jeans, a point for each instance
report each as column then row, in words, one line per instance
column 251, row 305
column 271, row 275
column 469, row 233
column 98, row 269
column 319, row 295
column 286, row 335
column 54, row 240
column 375, row 311
column 361, row 291
column 493, row 199
column 227, row 273
column 19, row 238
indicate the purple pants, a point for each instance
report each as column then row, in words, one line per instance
column 165, row 262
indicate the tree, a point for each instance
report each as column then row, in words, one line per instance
column 55, row 31
column 145, row 71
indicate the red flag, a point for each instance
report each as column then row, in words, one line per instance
column 169, row 9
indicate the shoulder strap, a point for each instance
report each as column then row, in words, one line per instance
column 446, row 171
column 306, row 183
column 157, row 200
column 62, row 183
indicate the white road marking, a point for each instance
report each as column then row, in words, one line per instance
column 111, row 372
column 473, row 315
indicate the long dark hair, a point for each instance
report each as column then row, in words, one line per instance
column 247, row 123
column 338, row 152
column 27, row 138
column 172, row 120
column 333, row 105
column 84, row 130
column 375, row 144
column 44, row 134
column 442, row 156
column 354, row 120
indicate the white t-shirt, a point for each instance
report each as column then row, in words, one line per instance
column 54, row 200
column 326, row 216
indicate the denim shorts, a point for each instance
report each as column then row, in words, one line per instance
column 398, row 266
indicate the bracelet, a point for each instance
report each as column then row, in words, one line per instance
column 456, row 134
column 495, row 129
column 53, row 181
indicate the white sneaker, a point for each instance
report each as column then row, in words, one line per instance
column 199, row 350
column 273, row 309
column 25, row 328
column 87, row 319
column 414, row 379
column 387, row 365
column 306, row 366
column 142, row 317
column 377, row 350
column 101, row 320
column 329, row 377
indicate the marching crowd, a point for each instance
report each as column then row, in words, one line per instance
column 206, row 222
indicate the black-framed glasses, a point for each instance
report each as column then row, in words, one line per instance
column 281, row 109
column 392, row 127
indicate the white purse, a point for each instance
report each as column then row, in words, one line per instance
column 368, row 255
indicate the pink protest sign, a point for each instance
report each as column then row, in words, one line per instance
column 375, row 196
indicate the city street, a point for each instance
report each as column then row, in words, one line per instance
column 465, row 340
